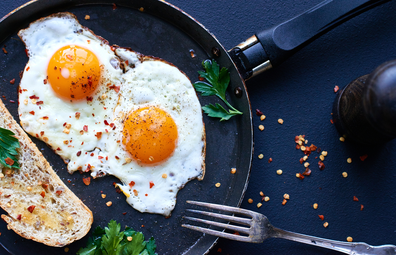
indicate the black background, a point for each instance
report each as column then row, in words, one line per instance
column 300, row 91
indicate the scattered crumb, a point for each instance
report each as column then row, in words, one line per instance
column 66, row 249
column 261, row 127
column 233, row 170
column 349, row 160
column 12, row 81
column 261, row 156
column 279, row 172
column 250, row 200
column 315, row 206
column 344, row 174
column 109, row 203
column 262, row 117
column 349, row 239
column 141, row 9
column 361, row 207
column 362, row 158
column 217, row 184
column 87, row 180
column 5, row 51
column 355, row 198
column 280, row 121
column 87, row 17
column 326, row 224
column 259, row 205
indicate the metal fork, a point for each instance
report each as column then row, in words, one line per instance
column 260, row 229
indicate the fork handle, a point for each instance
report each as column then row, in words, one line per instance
column 345, row 247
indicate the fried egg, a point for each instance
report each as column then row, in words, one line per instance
column 109, row 110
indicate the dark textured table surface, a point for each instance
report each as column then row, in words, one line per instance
column 300, row 92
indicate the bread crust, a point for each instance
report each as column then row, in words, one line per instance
column 58, row 217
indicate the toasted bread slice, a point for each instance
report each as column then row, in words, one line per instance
column 39, row 205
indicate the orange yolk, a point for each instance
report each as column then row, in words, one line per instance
column 73, row 72
column 150, row 135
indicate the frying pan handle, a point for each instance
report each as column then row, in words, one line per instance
column 271, row 47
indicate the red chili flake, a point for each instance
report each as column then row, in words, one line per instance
column 361, row 207
column 89, row 99
column 12, row 81
column 39, row 102
column 32, row 112
column 100, row 157
column 336, row 88
column 236, row 233
column 27, row 52
column 116, row 88
column 44, row 185
column 135, row 192
column 19, row 217
column 362, row 158
column 312, row 147
column 298, row 147
column 301, row 160
column 105, row 122
column 355, row 198
column 92, row 154
column 9, row 161
column 88, row 168
column 131, row 184
column 259, row 113
column 45, row 81
column 114, row 183
column 27, row 69
column 58, row 149
column 99, row 135
column 269, row 160
column 200, row 78
column 78, row 153
column 77, row 115
column 87, row 180
column 85, row 128
column 301, row 177
column 307, row 172
column 331, row 121
column 117, row 157
column 321, row 217
column 114, row 6
column 34, row 97
column 219, row 250
column 321, row 165
column 45, row 118
column 142, row 226
column 124, row 213
column 296, row 139
column 107, row 157
column 146, row 195
column 127, row 62
column 58, row 192
column 151, row 184
column 4, row 50
column 111, row 124
column 42, row 194
column 31, row 208
column 42, row 133
column 12, row 101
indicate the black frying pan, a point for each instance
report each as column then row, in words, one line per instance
column 164, row 31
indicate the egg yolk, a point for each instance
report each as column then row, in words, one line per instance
column 150, row 135
column 73, row 72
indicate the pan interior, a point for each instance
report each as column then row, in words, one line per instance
column 162, row 31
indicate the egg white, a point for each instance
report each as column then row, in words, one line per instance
column 140, row 81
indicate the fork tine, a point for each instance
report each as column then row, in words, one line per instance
column 222, row 207
column 218, row 233
column 224, row 217
column 221, row 225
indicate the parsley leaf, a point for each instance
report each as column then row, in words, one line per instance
column 217, row 86
column 8, row 146
column 112, row 241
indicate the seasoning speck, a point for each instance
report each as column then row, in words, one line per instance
column 315, row 206
column 87, row 17
column 233, row 170
column 109, row 203
column 217, row 184
column 262, row 117
column 260, row 156
column 279, row 172
column 280, row 121
column 259, row 205
column 344, row 174
column 342, row 139
column 250, row 200
column 261, row 127
column 326, row 224
column 349, row 160
column 349, row 239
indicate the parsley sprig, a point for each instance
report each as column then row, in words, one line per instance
column 110, row 241
column 8, row 146
column 217, row 86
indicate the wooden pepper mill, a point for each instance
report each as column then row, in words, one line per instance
column 365, row 110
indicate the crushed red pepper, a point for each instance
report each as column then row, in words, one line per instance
column 87, row 180
column 336, row 88
column 321, row 165
column 31, row 208
column 321, row 217
column 259, row 113
column 362, row 158
column 355, row 198
column 12, row 81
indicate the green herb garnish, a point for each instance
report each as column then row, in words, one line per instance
column 8, row 146
column 110, row 241
column 219, row 81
